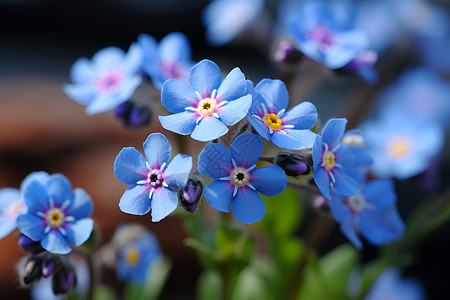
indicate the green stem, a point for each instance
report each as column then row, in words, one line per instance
column 267, row 158
column 305, row 187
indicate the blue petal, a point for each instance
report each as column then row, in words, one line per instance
column 54, row 242
column 132, row 60
column 338, row 209
column 178, row 170
column 59, row 189
column 107, row 58
column 259, row 126
column 7, row 225
column 81, row 205
column 164, row 201
column 208, row 129
column 322, row 180
column 214, row 161
column 273, row 93
column 247, row 206
column 246, row 149
column 8, row 196
column 352, row 236
column 382, row 227
column 294, row 139
column 381, row 193
column 345, row 185
column 79, row 231
column 81, row 93
column 148, row 45
column 219, row 194
column 269, row 181
column 175, row 47
column 205, row 77
column 32, row 226
column 236, row 110
column 129, row 166
column 176, row 95
column 333, row 132
column 317, row 152
column 82, row 71
column 40, row 176
column 344, row 155
column 157, row 149
column 302, row 116
column 135, row 200
column 36, row 197
column 233, row 86
column 182, row 123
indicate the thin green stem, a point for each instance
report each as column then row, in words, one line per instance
column 267, row 158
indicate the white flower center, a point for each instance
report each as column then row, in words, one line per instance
column 399, row 147
column 239, row 177
column 55, row 218
column 357, row 203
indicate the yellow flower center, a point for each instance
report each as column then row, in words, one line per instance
column 55, row 217
column 132, row 257
column 207, row 107
column 399, row 148
column 328, row 161
column 273, row 122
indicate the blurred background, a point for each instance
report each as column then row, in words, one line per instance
column 43, row 129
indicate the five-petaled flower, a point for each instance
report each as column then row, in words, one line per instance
column 151, row 178
column 108, row 80
column 333, row 160
column 268, row 116
column 206, row 105
column 57, row 216
column 238, row 181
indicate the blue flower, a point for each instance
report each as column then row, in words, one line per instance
column 321, row 36
column 151, row 177
column 371, row 213
column 136, row 257
column 389, row 285
column 206, row 105
column 363, row 66
column 170, row 59
column 109, row 79
column 57, row 216
column 333, row 161
column 401, row 146
column 226, row 19
column 362, row 160
column 267, row 115
column 238, row 180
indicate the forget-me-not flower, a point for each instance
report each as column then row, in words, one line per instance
column 151, row 177
column 371, row 214
column 362, row 160
column 57, row 216
column 106, row 81
column 136, row 257
column 268, row 116
column 238, row 181
column 11, row 206
column 333, row 161
column 170, row 59
column 206, row 105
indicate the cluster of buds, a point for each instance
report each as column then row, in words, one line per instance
column 133, row 114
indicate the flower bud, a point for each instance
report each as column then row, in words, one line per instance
column 29, row 269
column 320, row 202
column 64, row 279
column 133, row 114
column 285, row 52
column 28, row 245
column 293, row 165
column 190, row 194
column 47, row 268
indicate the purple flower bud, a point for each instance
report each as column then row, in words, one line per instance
column 123, row 109
column 28, row 245
column 321, row 203
column 48, row 267
column 64, row 279
column 293, row 165
column 190, row 194
column 133, row 114
column 285, row 52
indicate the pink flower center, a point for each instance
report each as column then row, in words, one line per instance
column 323, row 36
column 109, row 81
column 155, row 178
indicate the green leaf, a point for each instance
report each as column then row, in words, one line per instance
column 250, row 285
column 209, row 285
column 102, row 292
column 208, row 255
column 226, row 238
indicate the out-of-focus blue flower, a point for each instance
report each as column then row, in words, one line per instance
column 371, row 213
column 334, row 161
column 170, row 59
column 106, row 81
column 390, row 286
column 434, row 52
column 362, row 160
column 401, row 146
column 363, row 65
column 151, row 177
column 286, row 129
column 238, row 181
column 225, row 19
column 57, row 216
column 419, row 93
column 323, row 34
column 206, row 105
column 136, row 257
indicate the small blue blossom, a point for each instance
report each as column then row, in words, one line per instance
column 136, row 257
column 401, row 146
column 363, row 66
column 151, row 177
column 206, row 105
column 226, row 19
column 238, row 181
column 320, row 35
column 57, row 216
column 390, row 286
column 170, row 59
column 371, row 213
column 362, row 159
column 109, row 79
column 333, row 161
column 268, row 116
